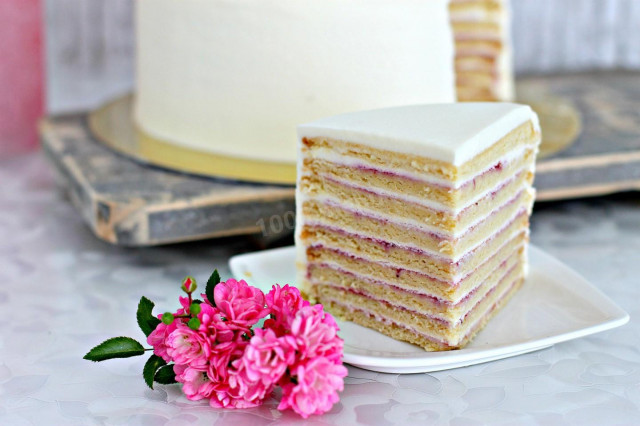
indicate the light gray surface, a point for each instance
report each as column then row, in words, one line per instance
column 63, row 291
column 90, row 43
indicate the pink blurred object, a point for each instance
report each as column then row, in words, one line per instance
column 21, row 74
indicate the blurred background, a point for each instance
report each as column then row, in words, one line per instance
column 84, row 231
column 71, row 55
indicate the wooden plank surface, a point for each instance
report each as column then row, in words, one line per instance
column 606, row 156
column 129, row 204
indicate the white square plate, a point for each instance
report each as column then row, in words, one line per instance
column 554, row 305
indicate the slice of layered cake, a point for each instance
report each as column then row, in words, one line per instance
column 414, row 220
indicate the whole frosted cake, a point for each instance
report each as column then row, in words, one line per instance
column 414, row 220
column 234, row 77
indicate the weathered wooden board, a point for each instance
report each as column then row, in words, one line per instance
column 606, row 157
column 130, row 204
column 127, row 203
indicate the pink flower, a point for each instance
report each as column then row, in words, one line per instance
column 195, row 383
column 316, row 390
column 284, row 303
column 267, row 357
column 238, row 392
column 187, row 346
column 316, row 334
column 252, row 391
column 239, row 302
column 184, row 302
column 227, row 397
column 220, row 330
column 211, row 323
column 158, row 337
column 233, row 366
column 222, row 357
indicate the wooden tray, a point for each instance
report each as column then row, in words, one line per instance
column 606, row 156
column 129, row 203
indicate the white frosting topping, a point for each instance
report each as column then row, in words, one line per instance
column 234, row 77
column 453, row 133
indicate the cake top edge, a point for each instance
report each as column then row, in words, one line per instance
column 453, row 133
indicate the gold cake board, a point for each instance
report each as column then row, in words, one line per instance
column 113, row 124
column 590, row 146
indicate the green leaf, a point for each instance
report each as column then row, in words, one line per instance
column 150, row 368
column 213, row 280
column 116, row 347
column 165, row 375
column 146, row 321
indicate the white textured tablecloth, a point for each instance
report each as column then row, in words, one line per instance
column 63, row 291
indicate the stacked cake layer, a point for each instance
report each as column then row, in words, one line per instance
column 483, row 50
column 414, row 220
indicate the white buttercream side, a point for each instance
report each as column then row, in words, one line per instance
column 452, row 133
column 234, row 77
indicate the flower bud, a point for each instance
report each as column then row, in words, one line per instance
column 195, row 309
column 189, row 285
column 167, row 318
column 194, row 323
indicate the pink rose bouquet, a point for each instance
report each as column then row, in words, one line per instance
column 215, row 349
